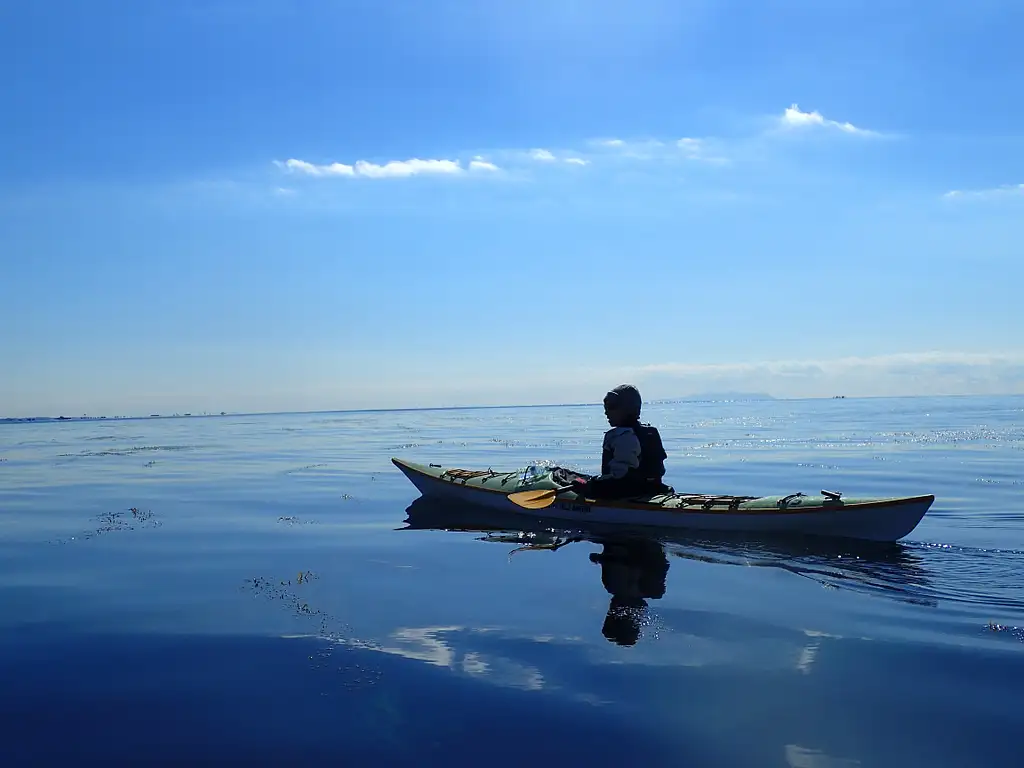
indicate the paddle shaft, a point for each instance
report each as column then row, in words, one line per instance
column 560, row 489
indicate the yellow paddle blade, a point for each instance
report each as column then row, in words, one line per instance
column 533, row 499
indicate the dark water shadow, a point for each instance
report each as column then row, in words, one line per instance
column 639, row 557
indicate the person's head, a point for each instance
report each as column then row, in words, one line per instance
column 624, row 620
column 622, row 405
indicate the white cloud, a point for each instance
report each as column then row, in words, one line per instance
column 392, row 169
column 1010, row 190
column 703, row 150
column 547, row 156
column 479, row 164
column 402, row 168
column 301, row 166
column 793, row 118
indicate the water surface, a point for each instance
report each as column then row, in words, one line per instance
column 268, row 589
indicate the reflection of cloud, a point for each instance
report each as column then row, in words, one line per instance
column 423, row 645
column 531, row 638
column 474, row 664
column 809, row 653
column 801, row 757
column 818, row 633
column 807, row 656
column 429, row 645
column 678, row 649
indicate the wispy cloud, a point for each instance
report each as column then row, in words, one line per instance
column 479, row 164
column 686, row 148
column 547, row 156
column 795, row 119
column 899, row 362
column 912, row 373
column 699, row 149
column 389, row 170
column 996, row 193
column 691, row 147
column 636, row 149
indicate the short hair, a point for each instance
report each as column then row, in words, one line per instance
column 625, row 396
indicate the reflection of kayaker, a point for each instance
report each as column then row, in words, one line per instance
column 632, row 571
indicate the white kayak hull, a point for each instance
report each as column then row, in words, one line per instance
column 888, row 519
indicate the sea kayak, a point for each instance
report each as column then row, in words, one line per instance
column 824, row 514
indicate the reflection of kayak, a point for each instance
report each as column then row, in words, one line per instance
column 827, row 514
column 892, row 569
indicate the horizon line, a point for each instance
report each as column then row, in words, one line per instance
column 654, row 401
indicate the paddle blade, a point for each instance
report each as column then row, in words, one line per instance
column 533, row 499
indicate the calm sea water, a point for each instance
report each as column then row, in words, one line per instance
column 267, row 590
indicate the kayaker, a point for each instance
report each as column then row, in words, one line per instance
column 632, row 456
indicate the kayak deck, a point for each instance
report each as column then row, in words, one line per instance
column 827, row 513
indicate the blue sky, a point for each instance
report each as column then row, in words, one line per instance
column 269, row 205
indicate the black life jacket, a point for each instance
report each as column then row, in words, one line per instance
column 652, row 455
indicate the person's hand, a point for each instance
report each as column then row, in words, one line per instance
column 581, row 486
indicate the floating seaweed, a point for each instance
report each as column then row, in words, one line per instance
column 110, row 522
column 338, row 634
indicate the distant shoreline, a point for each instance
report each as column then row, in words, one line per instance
column 723, row 398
